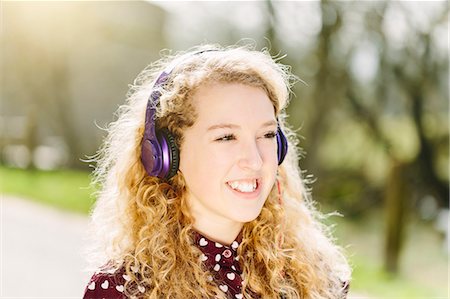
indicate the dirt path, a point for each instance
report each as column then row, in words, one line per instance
column 40, row 251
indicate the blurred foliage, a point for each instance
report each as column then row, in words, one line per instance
column 378, row 75
column 377, row 96
column 65, row 67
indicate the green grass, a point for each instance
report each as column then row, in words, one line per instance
column 65, row 189
column 369, row 278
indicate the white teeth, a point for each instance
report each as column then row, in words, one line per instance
column 243, row 186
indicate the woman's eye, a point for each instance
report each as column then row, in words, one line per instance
column 230, row 137
column 227, row 137
column 270, row 135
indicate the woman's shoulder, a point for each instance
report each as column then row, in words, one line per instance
column 106, row 283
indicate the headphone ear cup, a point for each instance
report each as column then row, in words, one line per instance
column 173, row 152
column 282, row 146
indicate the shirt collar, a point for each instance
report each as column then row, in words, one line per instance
column 204, row 243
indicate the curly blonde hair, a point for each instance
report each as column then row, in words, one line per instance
column 143, row 224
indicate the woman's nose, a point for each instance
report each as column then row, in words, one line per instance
column 250, row 156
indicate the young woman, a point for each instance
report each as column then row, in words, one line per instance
column 200, row 196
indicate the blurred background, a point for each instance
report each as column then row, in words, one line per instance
column 372, row 114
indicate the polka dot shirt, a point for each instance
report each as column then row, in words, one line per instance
column 221, row 260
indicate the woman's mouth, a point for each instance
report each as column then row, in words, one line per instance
column 247, row 187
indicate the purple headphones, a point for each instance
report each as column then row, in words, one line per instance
column 159, row 151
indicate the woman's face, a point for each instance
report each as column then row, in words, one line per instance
column 229, row 156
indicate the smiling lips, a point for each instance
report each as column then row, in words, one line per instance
column 244, row 186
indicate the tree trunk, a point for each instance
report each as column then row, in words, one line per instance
column 396, row 207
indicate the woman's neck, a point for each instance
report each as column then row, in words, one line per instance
column 217, row 231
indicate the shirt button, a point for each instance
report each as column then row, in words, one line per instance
column 227, row 253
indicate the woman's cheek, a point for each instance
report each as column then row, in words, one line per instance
column 223, row 154
column 268, row 152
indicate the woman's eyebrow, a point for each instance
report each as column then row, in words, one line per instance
column 234, row 126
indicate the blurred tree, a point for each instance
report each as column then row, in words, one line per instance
column 412, row 74
column 68, row 64
column 377, row 123
column 419, row 87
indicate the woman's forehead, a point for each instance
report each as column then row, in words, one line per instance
column 232, row 103
column 238, row 99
